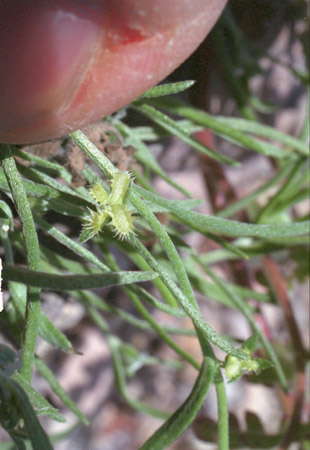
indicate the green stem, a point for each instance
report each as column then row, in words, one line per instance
column 204, row 331
column 94, row 154
column 268, row 210
column 184, row 416
column 148, row 317
column 223, row 424
column 241, row 204
column 246, row 311
column 167, row 246
column 33, row 258
column 140, row 262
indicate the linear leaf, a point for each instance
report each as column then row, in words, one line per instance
column 238, row 205
column 41, row 405
column 120, row 380
column 51, row 334
column 224, row 129
column 246, row 311
column 56, row 200
column 259, row 129
column 58, row 389
column 184, row 416
column 89, row 256
column 47, row 330
column 144, row 155
column 37, row 436
column 73, row 282
column 173, row 128
column 167, row 89
column 189, row 308
column 153, row 133
column 228, row 227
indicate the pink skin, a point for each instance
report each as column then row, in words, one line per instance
column 67, row 63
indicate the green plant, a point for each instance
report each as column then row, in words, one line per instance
column 28, row 192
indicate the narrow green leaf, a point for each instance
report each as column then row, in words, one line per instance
column 153, row 323
column 37, row 436
column 253, row 196
column 287, row 188
column 89, row 256
column 41, row 405
column 142, row 264
column 250, row 344
column 51, row 334
column 91, row 299
column 73, row 282
column 24, row 212
column 173, row 128
column 184, row 416
column 6, row 214
column 210, row 290
column 56, row 200
column 72, row 245
column 224, row 129
column 259, row 129
column 246, row 311
column 120, row 380
column 189, row 308
column 153, row 133
column 86, row 235
column 160, row 331
column 47, row 330
column 42, row 162
column 149, row 298
column 101, row 161
column 37, row 176
column 190, row 203
column 167, row 89
column 144, row 155
column 225, row 226
column 222, row 407
column 59, row 391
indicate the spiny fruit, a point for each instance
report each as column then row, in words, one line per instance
column 111, row 207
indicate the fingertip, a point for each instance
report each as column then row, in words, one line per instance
column 43, row 58
column 67, row 63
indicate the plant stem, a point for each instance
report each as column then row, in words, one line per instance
column 148, row 317
column 94, row 153
column 33, row 258
column 223, row 425
column 246, row 311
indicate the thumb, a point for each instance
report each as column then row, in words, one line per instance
column 66, row 63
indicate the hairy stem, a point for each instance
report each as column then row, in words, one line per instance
column 33, row 258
